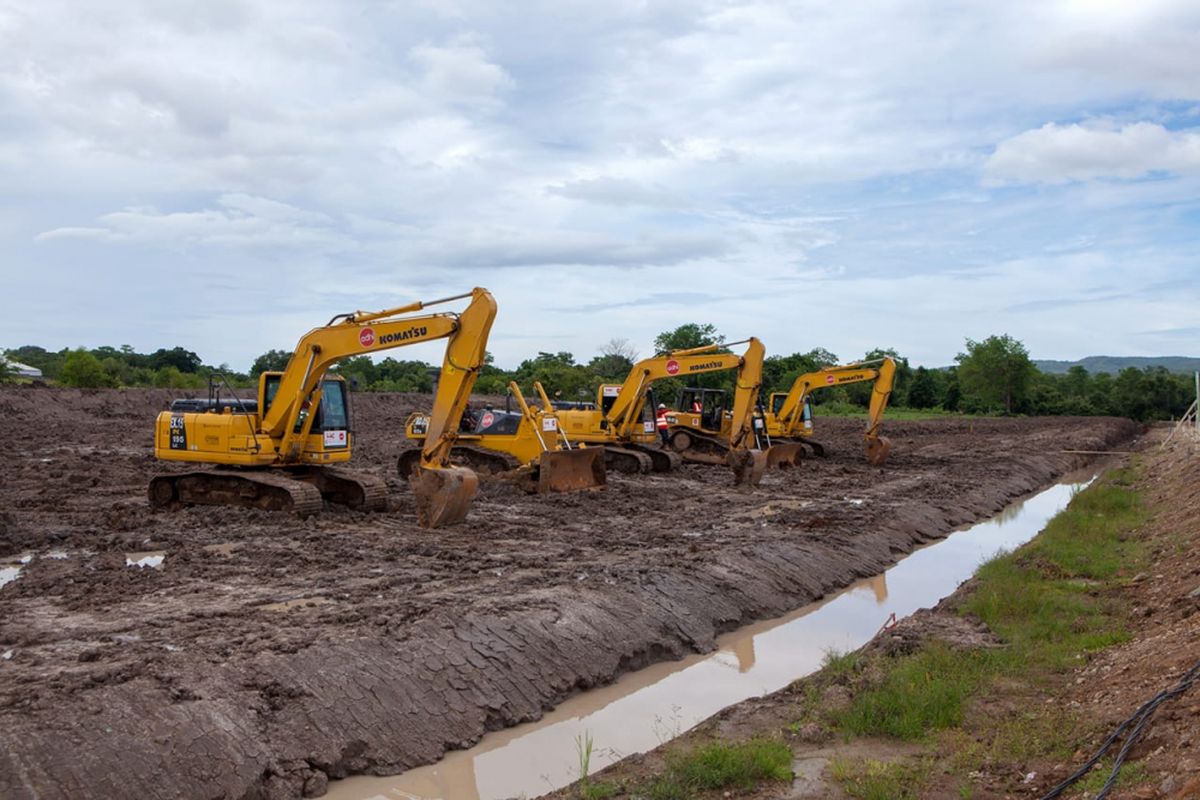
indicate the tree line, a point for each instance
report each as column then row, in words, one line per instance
column 991, row 376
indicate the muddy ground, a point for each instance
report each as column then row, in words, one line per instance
column 267, row 655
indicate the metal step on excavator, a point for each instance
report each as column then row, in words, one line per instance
column 282, row 450
column 527, row 447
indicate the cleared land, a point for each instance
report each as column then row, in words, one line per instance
column 268, row 654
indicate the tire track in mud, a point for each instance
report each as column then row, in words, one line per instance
column 458, row 633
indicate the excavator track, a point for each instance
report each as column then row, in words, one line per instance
column 661, row 459
column 267, row 490
column 481, row 461
column 699, row 447
column 360, row 491
column 817, row 448
column 627, row 460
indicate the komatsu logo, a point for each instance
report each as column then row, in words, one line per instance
column 705, row 365
column 403, row 336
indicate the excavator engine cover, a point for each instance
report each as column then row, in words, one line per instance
column 748, row 466
column 571, row 470
column 877, row 450
column 443, row 494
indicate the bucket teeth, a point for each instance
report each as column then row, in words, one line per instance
column 443, row 495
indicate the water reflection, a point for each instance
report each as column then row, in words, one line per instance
column 646, row 708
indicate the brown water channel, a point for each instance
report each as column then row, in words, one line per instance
column 647, row 708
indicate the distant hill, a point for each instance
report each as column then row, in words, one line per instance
column 1114, row 364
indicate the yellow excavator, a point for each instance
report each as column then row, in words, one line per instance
column 715, row 434
column 526, row 446
column 789, row 416
column 278, row 451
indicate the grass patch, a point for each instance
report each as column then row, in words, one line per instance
column 878, row 780
column 1132, row 773
column 837, row 409
column 920, row 693
column 721, row 765
column 839, row 667
column 1044, row 599
column 1051, row 603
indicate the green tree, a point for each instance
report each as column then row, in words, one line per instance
column 558, row 373
column 270, row 361
column 614, row 362
column 923, row 391
column 686, row 337
column 995, row 373
column 183, row 360
column 8, row 373
column 82, row 369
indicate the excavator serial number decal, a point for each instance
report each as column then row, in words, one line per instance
column 178, row 433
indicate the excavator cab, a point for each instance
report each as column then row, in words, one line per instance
column 711, row 404
column 332, row 412
column 779, row 398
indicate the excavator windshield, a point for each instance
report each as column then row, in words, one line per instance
column 333, row 411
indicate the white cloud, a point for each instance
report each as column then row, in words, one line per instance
column 1060, row 153
column 241, row 221
column 816, row 168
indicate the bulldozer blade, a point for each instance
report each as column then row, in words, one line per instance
column 877, row 450
column 784, row 455
column 571, row 470
column 443, row 494
column 748, row 466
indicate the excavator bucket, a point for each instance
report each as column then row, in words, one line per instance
column 784, row 454
column 748, row 466
column 878, row 449
column 571, row 470
column 443, row 494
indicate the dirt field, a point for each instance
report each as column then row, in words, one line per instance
column 267, row 654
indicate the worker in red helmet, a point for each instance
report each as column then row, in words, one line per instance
column 661, row 421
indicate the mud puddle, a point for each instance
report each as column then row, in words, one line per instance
column 146, row 558
column 647, row 708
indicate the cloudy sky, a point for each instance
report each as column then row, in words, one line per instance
column 225, row 174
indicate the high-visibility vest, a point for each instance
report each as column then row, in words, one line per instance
column 662, row 418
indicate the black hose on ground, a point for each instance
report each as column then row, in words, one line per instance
column 1138, row 723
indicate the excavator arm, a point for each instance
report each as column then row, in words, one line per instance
column 443, row 492
column 790, row 414
column 745, row 397
column 624, row 414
